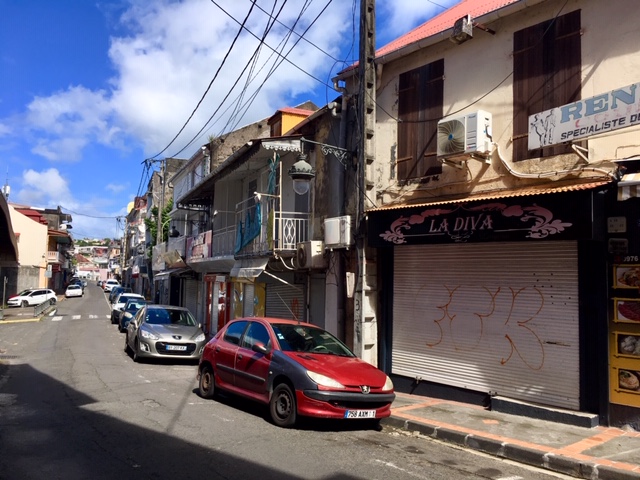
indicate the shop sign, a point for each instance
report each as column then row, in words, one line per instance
column 619, row 108
column 199, row 246
column 519, row 219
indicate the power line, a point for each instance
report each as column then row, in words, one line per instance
column 211, row 82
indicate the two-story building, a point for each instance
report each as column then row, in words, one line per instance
column 504, row 264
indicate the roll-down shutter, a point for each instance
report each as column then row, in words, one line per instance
column 285, row 301
column 191, row 296
column 492, row 317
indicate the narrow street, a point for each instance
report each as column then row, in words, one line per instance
column 73, row 405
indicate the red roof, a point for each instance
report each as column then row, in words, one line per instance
column 444, row 21
column 296, row 111
column 32, row 214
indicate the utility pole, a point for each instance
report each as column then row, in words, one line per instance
column 365, row 301
column 160, row 203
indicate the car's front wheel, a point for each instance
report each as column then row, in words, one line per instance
column 53, row 301
column 136, row 352
column 25, row 304
column 207, row 383
column 282, row 406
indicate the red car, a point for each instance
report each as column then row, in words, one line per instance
column 296, row 368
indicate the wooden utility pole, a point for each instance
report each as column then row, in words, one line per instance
column 365, row 307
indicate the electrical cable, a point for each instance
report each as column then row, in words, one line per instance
column 232, row 87
column 242, row 25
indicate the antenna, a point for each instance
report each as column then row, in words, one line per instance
column 6, row 189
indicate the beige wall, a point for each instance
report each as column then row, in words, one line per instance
column 32, row 243
column 478, row 66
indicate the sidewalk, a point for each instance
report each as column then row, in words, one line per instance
column 590, row 453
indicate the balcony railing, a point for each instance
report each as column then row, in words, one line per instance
column 223, row 241
column 265, row 229
column 55, row 257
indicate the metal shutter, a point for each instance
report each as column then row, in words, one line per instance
column 492, row 317
column 191, row 296
column 284, row 301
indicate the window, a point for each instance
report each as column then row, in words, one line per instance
column 234, row 332
column 547, row 60
column 256, row 333
column 420, row 97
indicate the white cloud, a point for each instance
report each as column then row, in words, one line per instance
column 65, row 122
column 113, row 188
column 4, row 130
column 44, row 189
column 164, row 63
column 166, row 67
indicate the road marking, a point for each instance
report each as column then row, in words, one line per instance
column 404, row 470
column 76, row 317
column 56, row 318
column 93, row 316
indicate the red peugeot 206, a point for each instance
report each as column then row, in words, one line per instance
column 296, row 368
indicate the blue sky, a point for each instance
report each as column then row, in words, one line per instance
column 89, row 89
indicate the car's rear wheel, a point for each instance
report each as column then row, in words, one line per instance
column 282, row 406
column 207, row 383
column 25, row 304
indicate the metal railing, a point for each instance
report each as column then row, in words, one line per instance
column 278, row 230
column 42, row 308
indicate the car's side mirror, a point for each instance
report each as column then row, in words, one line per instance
column 260, row 348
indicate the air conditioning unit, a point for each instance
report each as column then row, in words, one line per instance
column 337, row 232
column 464, row 137
column 310, row 255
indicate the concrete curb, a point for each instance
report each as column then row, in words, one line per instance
column 517, row 453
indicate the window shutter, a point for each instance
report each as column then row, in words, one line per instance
column 547, row 61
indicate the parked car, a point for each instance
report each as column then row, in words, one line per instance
column 109, row 284
column 115, row 291
column 77, row 281
column 128, row 312
column 99, row 283
column 164, row 331
column 74, row 290
column 32, row 296
column 118, row 305
column 297, row 369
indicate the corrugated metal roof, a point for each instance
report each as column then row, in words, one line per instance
column 520, row 192
column 444, row 21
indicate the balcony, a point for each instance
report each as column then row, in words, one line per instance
column 55, row 257
column 265, row 229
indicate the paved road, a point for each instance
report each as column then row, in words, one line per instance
column 73, row 405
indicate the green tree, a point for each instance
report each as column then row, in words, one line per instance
column 151, row 223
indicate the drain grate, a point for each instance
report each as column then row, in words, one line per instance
column 8, row 357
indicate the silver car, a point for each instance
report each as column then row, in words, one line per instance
column 164, row 331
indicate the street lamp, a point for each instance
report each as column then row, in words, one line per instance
column 301, row 173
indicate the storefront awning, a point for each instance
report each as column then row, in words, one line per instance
column 248, row 267
column 166, row 273
column 629, row 186
column 507, row 193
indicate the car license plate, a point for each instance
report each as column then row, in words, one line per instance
column 179, row 348
column 360, row 414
